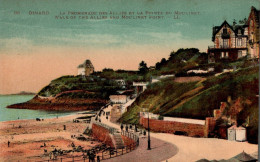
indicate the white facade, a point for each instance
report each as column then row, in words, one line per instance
column 119, row 99
column 232, row 133
column 237, row 133
column 81, row 71
column 151, row 115
column 143, row 85
column 241, row 134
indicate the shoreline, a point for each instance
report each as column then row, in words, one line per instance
column 27, row 137
column 65, row 115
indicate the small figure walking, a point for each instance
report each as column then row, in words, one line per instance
column 144, row 132
column 8, row 143
column 122, row 127
column 98, row 159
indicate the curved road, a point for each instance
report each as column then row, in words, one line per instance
column 182, row 148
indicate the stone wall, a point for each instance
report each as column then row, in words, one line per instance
column 102, row 134
column 127, row 141
column 193, row 130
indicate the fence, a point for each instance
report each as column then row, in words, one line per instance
column 132, row 136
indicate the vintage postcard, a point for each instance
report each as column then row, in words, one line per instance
column 129, row 81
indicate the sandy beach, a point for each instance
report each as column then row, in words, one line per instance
column 28, row 137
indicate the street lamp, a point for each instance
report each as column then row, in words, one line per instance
column 149, row 140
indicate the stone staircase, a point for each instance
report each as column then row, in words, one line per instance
column 118, row 141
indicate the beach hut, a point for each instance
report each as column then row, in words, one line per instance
column 232, row 133
column 240, row 134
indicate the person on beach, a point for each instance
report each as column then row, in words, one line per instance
column 122, row 127
column 8, row 143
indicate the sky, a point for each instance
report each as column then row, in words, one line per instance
column 35, row 49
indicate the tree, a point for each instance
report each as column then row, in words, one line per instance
column 143, row 69
column 243, row 21
column 163, row 61
column 107, row 70
column 158, row 66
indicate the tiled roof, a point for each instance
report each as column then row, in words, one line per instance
column 235, row 29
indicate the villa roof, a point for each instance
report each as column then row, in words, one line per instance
column 235, row 127
column 234, row 28
column 256, row 13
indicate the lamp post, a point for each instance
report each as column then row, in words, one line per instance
column 149, row 140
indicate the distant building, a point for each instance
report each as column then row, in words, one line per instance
column 253, row 33
column 151, row 68
column 121, row 83
column 119, row 99
column 230, row 42
column 86, row 68
column 140, row 86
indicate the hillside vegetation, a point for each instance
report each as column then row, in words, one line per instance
column 93, row 87
column 199, row 99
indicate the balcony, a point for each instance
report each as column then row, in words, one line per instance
column 220, row 47
column 226, row 47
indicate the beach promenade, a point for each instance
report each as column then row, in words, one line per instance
column 187, row 149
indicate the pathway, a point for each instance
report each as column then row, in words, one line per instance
column 182, row 148
column 160, row 150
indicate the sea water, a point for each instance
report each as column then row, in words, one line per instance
column 7, row 114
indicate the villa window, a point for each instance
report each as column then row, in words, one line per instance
column 239, row 31
column 224, row 31
column 239, row 54
column 226, row 54
column 222, row 54
column 225, row 43
column 239, row 42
